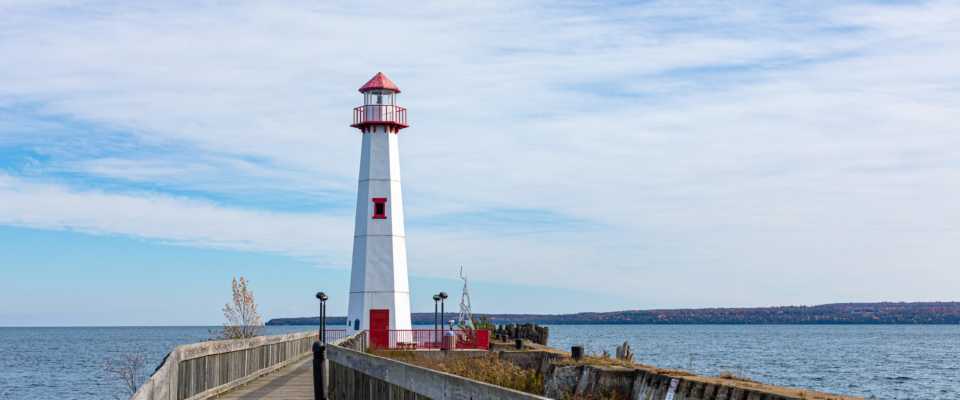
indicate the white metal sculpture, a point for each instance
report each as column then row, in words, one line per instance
column 466, row 315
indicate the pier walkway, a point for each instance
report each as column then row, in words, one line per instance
column 262, row 367
column 293, row 382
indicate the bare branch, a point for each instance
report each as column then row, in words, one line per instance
column 126, row 373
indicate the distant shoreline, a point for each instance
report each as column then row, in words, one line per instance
column 887, row 313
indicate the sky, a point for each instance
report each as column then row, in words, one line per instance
column 570, row 155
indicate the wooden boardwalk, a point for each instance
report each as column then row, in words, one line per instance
column 293, row 382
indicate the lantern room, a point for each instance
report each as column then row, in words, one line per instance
column 379, row 107
column 378, row 97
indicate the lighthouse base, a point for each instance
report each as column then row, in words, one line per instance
column 378, row 310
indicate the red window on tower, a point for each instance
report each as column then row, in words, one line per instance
column 379, row 208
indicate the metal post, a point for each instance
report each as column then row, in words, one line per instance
column 323, row 317
column 319, row 371
column 442, row 296
column 576, row 352
column 319, row 353
column 436, row 322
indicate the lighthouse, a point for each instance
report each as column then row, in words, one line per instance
column 379, row 291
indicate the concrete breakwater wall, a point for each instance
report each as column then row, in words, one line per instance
column 638, row 384
column 561, row 376
column 367, row 376
column 358, row 375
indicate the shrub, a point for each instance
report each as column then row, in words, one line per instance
column 126, row 373
column 243, row 320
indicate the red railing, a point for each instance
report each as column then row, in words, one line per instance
column 394, row 114
column 334, row 335
column 426, row 339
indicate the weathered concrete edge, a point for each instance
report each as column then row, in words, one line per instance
column 427, row 382
column 163, row 382
column 643, row 383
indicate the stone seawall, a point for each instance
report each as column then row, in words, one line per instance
column 561, row 375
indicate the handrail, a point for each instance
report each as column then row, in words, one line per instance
column 201, row 370
column 334, row 335
column 412, row 339
column 380, row 113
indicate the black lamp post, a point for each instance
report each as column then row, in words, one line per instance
column 443, row 296
column 323, row 317
column 436, row 298
column 319, row 348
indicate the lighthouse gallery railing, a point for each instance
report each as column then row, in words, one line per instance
column 389, row 114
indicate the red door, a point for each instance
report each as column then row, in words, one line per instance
column 379, row 329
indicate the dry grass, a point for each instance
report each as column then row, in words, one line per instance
column 489, row 369
column 598, row 360
column 737, row 375
column 675, row 372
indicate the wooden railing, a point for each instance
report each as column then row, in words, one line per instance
column 201, row 370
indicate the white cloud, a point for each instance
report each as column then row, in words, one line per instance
column 789, row 153
column 179, row 220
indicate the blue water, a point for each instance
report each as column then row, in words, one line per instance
column 875, row 362
column 65, row 363
column 870, row 361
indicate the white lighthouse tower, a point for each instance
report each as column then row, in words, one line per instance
column 379, row 292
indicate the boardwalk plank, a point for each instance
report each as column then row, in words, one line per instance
column 294, row 382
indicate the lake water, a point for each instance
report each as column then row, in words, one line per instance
column 876, row 362
column 870, row 361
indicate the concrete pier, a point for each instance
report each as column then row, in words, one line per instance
column 281, row 367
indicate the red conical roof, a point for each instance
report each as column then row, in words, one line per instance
column 380, row 82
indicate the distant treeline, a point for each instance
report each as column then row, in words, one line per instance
column 841, row 313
